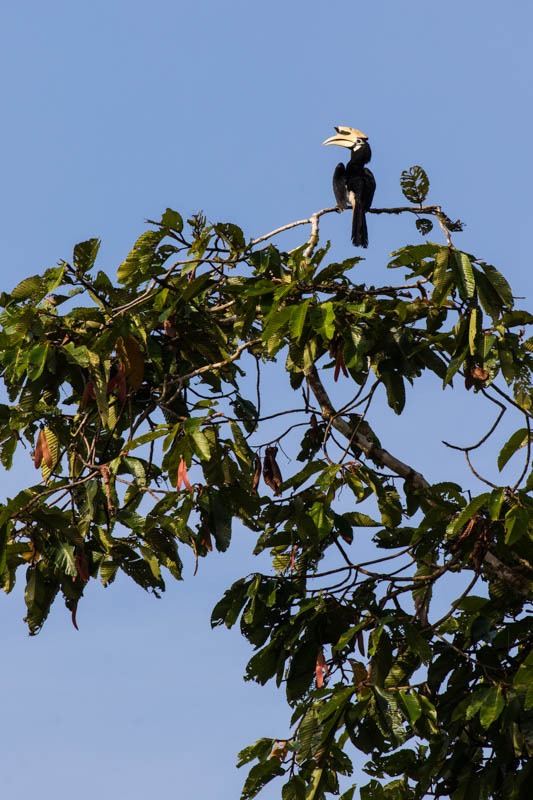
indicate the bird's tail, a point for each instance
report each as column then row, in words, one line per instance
column 359, row 229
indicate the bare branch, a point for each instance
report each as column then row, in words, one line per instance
column 378, row 454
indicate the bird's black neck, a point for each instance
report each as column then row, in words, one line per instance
column 361, row 156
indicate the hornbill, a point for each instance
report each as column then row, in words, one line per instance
column 353, row 184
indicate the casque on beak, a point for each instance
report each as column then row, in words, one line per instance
column 345, row 137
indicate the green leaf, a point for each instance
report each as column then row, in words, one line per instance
column 140, row 258
column 442, row 277
column 346, row 637
column 495, row 502
column 498, row 283
column 297, row 320
column 201, row 445
column 415, row 184
column 516, row 524
column 487, row 341
column 85, row 255
column 157, row 433
column 307, row 732
column 259, row 776
column 37, row 361
column 507, row 362
column 171, row 219
column 348, row 794
column 467, row 513
column 411, row 705
column 242, row 448
column 489, row 300
column 39, row 594
column 33, row 288
column 492, row 706
column 472, row 331
column 514, row 443
column 467, row 281
column 220, row 517
column 63, row 557
column 455, row 365
column 5, row 531
column 424, row 225
column 395, row 388
column 228, row 609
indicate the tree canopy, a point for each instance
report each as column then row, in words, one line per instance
column 140, row 402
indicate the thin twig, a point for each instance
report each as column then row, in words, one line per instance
column 528, row 456
column 484, row 439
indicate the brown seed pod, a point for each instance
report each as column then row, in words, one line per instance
column 257, row 474
column 271, row 471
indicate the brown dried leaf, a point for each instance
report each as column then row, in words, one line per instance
column 480, row 374
column 38, row 453
column 169, row 329
column 106, row 477
column 314, row 433
column 271, row 471
column 206, row 539
column 339, row 365
column 257, row 474
column 130, row 354
column 88, row 394
column 280, row 750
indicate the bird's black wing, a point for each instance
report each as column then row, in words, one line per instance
column 339, row 186
column 370, row 188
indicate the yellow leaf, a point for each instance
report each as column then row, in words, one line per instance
column 129, row 352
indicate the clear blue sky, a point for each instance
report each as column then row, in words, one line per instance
column 111, row 112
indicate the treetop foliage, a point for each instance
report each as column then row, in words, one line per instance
column 140, row 403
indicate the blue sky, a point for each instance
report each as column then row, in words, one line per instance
column 111, row 112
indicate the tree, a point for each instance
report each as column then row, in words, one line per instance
column 150, row 436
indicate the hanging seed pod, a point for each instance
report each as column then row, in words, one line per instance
column 271, row 471
column 257, row 474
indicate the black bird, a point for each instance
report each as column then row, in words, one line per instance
column 353, row 184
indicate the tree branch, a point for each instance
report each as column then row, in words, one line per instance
column 435, row 211
column 378, row 454
column 521, row 583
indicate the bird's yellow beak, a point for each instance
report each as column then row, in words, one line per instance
column 345, row 137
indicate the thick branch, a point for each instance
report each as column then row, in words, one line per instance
column 513, row 575
column 377, row 454
column 435, row 211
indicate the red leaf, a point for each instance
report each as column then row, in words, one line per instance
column 74, row 609
column 80, row 560
column 183, row 477
column 321, row 669
column 122, row 390
column 339, row 364
column 38, row 454
column 118, row 381
column 88, row 394
column 45, row 447
column 293, row 553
